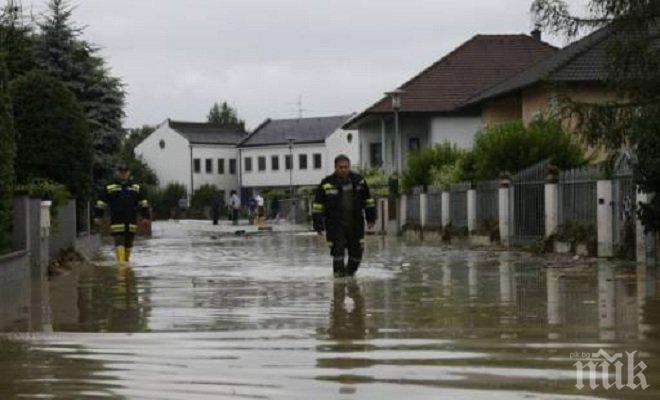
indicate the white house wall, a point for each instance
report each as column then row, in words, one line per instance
column 269, row 178
column 338, row 143
column 171, row 164
column 226, row 181
column 458, row 130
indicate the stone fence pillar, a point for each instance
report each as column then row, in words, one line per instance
column 604, row 218
column 446, row 212
column 472, row 210
column 503, row 212
column 423, row 209
column 551, row 208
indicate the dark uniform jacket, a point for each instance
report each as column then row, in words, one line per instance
column 124, row 200
column 327, row 210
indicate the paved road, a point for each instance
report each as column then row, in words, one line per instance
column 204, row 314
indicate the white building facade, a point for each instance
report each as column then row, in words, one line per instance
column 193, row 154
column 295, row 152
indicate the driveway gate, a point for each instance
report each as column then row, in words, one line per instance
column 528, row 216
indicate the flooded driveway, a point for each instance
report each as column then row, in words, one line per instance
column 204, row 314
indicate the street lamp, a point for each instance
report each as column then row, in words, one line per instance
column 395, row 96
column 291, row 141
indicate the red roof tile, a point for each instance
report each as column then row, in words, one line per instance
column 474, row 66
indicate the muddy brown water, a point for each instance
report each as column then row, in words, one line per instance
column 203, row 314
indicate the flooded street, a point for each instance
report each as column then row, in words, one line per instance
column 204, row 314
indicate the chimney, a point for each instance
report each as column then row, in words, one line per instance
column 536, row 33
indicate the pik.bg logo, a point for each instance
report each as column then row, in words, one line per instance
column 609, row 371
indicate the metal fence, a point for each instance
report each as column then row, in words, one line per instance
column 412, row 207
column 577, row 196
column 434, row 205
column 487, row 201
column 624, row 199
column 528, row 204
column 458, row 204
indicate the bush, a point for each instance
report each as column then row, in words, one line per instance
column 511, row 147
column 46, row 190
column 165, row 201
column 422, row 162
column 7, row 156
column 377, row 181
column 52, row 134
column 201, row 199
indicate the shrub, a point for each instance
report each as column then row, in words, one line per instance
column 201, row 199
column 53, row 141
column 377, row 180
column 422, row 162
column 45, row 189
column 164, row 201
column 511, row 147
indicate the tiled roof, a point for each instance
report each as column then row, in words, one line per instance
column 581, row 61
column 302, row 130
column 474, row 66
column 206, row 133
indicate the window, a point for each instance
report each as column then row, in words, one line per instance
column 248, row 164
column 161, row 144
column 413, row 144
column 317, row 161
column 209, row 165
column 232, row 166
column 275, row 163
column 221, row 166
column 349, row 138
column 287, row 162
column 376, row 154
column 302, row 161
column 197, row 165
column 261, row 163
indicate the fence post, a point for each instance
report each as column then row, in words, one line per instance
column 551, row 206
column 446, row 214
column 472, row 210
column 604, row 218
column 503, row 211
column 423, row 209
column 403, row 210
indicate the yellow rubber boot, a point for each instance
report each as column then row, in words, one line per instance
column 128, row 254
column 120, row 252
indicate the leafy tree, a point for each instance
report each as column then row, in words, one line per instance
column 511, row 147
column 17, row 40
column 7, row 155
column 422, row 162
column 633, row 72
column 62, row 54
column 224, row 115
column 52, row 137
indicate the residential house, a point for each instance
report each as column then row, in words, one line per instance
column 194, row 154
column 297, row 152
column 432, row 104
column 578, row 71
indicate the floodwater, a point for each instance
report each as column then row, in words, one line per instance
column 204, row 314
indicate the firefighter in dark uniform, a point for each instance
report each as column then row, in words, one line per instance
column 340, row 207
column 124, row 199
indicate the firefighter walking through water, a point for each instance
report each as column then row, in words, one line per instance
column 124, row 199
column 341, row 204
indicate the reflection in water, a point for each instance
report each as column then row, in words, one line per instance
column 347, row 315
column 261, row 317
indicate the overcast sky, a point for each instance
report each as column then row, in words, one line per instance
column 177, row 57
